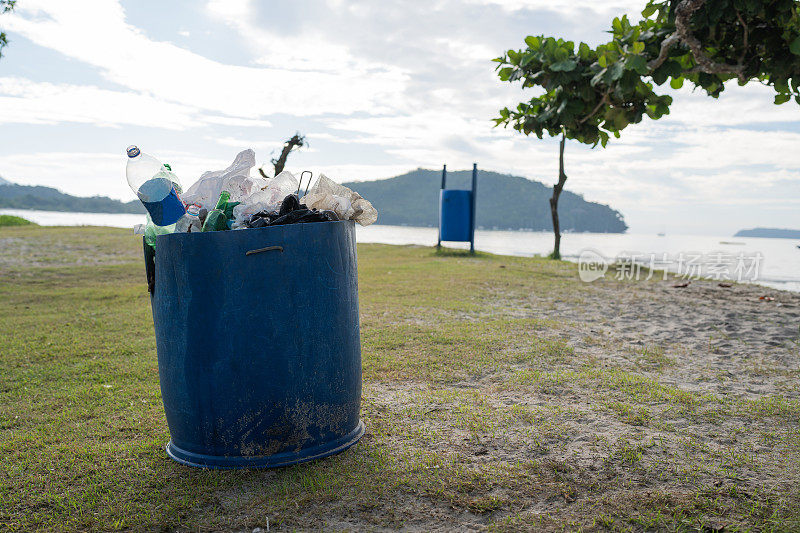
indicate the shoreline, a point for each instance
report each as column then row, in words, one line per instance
column 779, row 269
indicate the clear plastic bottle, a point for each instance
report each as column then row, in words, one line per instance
column 156, row 186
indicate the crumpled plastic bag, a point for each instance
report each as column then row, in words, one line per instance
column 268, row 199
column 235, row 179
column 327, row 195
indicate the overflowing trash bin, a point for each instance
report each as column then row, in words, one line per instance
column 257, row 323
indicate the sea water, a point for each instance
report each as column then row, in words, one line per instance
column 780, row 267
column 161, row 200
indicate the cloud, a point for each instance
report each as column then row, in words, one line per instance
column 95, row 32
column 736, row 106
column 351, row 172
column 99, row 173
column 78, row 173
column 23, row 101
column 631, row 7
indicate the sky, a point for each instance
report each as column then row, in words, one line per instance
column 379, row 88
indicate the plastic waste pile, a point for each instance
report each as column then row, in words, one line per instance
column 232, row 199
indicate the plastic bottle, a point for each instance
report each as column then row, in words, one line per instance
column 190, row 222
column 151, row 231
column 216, row 219
column 156, row 186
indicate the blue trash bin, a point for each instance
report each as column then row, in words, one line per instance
column 259, row 352
column 455, row 212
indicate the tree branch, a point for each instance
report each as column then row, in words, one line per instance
column 666, row 46
column 602, row 101
column 745, row 32
column 684, row 35
column 279, row 163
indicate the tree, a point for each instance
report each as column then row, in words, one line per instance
column 709, row 42
column 5, row 7
column 296, row 141
column 585, row 97
column 589, row 94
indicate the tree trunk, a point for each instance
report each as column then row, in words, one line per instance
column 280, row 163
column 562, row 178
column 296, row 141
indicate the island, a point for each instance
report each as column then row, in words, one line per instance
column 769, row 233
column 504, row 202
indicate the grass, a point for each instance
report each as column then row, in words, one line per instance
column 10, row 220
column 481, row 411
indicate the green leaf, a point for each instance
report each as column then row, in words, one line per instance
column 676, row 83
column 584, row 51
column 673, row 68
column 648, row 10
column 599, row 77
column 561, row 54
column 617, row 70
column 567, row 65
column 781, row 85
column 637, row 47
column 620, row 121
column 782, row 98
column 533, row 42
column 795, row 46
column 637, row 63
column 602, row 61
column 526, row 59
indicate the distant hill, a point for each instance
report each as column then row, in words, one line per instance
column 412, row 199
column 769, row 233
column 503, row 202
column 13, row 196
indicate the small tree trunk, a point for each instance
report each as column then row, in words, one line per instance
column 280, row 163
column 296, row 141
column 562, row 178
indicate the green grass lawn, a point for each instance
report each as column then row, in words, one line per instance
column 480, row 411
column 11, row 220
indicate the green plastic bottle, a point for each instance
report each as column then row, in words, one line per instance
column 152, row 231
column 221, row 217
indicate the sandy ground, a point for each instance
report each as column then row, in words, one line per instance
column 669, row 393
column 715, row 339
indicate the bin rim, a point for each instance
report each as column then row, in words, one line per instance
column 197, row 234
column 221, row 462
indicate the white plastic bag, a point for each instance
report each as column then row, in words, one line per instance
column 235, row 179
column 326, row 194
column 268, row 199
